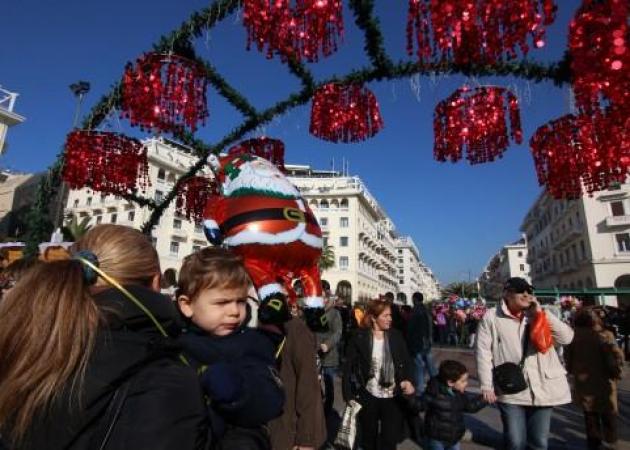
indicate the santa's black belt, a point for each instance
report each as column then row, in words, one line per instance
column 291, row 214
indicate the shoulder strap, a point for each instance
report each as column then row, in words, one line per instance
column 106, row 424
column 525, row 346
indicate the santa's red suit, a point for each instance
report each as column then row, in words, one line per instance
column 275, row 232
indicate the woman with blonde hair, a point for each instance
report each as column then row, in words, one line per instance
column 87, row 356
column 377, row 371
column 596, row 363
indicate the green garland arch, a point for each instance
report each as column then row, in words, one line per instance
column 381, row 68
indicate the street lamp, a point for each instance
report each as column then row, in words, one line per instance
column 79, row 89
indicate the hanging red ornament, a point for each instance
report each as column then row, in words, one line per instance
column 600, row 54
column 166, row 93
column 192, row 197
column 476, row 31
column 345, row 113
column 577, row 154
column 294, row 28
column 107, row 162
column 475, row 120
column 267, row 148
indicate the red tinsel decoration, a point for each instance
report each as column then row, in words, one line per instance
column 576, row 154
column 107, row 162
column 267, row 148
column 298, row 28
column 475, row 120
column 476, row 31
column 600, row 54
column 165, row 93
column 192, row 196
column 345, row 113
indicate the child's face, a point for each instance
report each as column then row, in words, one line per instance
column 460, row 384
column 217, row 311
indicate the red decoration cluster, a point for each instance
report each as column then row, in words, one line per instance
column 270, row 149
column 600, row 54
column 345, row 113
column 106, row 162
column 192, row 196
column 165, row 93
column 296, row 28
column 475, row 121
column 475, row 31
column 574, row 154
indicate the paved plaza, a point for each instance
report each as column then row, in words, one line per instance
column 567, row 425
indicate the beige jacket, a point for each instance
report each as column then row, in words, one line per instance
column 500, row 339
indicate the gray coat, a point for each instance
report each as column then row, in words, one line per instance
column 331, row 338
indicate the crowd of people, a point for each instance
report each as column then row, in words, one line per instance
column 103, row 351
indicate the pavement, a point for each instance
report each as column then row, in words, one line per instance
column 567, row 423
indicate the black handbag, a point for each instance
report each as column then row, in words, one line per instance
column 509, row 377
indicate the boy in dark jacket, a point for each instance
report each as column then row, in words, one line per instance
column 236, row 363
column 445, row 402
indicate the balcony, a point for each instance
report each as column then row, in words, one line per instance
column 617, row 221
column 568, row 235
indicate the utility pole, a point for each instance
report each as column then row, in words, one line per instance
column 79, row 89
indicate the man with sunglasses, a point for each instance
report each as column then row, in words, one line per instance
column 508, row 334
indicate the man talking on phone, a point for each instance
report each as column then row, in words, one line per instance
column 518, row 365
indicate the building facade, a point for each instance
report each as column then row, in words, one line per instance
column 582, row 243
column 174, row 237
column 365, row 241
column 510, row 261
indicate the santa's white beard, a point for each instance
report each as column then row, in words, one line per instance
column 260, row 177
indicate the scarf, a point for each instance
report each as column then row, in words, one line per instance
column 385, row 376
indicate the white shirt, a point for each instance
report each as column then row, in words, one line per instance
column 373, row 387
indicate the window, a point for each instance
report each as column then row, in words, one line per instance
column 177, row 224
column 343, row 262
column 154, row 241
column 114, row 218
column 400, row 251
column 344, row 203
column 325, row 241
column 582, row 250
column 323, row 221
column 198, row 228
column 323, row 204
column 623, row 242
column 174, row 248
column 617, row 209
column 522, row 267
column 343, row 222
column 161, row 175
column 401, row 271
column 400, row 260
column 343, row 241
column 196, row 248
column 159, row 195
column 76, row 202
column 401, row 281
column 99, row 219
column 520, row 254
column 131, row 215
column 89, row 201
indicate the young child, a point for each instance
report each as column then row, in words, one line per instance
column 236, row 363
column 445, row 402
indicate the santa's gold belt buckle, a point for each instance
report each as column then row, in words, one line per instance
column 294, row 215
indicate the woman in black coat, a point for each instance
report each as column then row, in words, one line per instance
column 84, row 367
column 377, row 370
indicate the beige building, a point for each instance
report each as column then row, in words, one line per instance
column 364, row 238
column 583, row 243
column 174, row 237
column 510, row 261
column 413, row 275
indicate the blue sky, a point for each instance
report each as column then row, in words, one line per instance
column 459, row 215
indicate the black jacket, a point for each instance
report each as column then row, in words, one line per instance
column 419, row 331
column 243, row 364
column 163, row 408
column 445, row 408
column 356, row 367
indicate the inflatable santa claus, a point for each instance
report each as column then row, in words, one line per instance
column 261, row 216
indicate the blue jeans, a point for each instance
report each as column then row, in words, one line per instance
column 525, row 427
column 328, row 374
column 432, row 444
column 423, row 361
